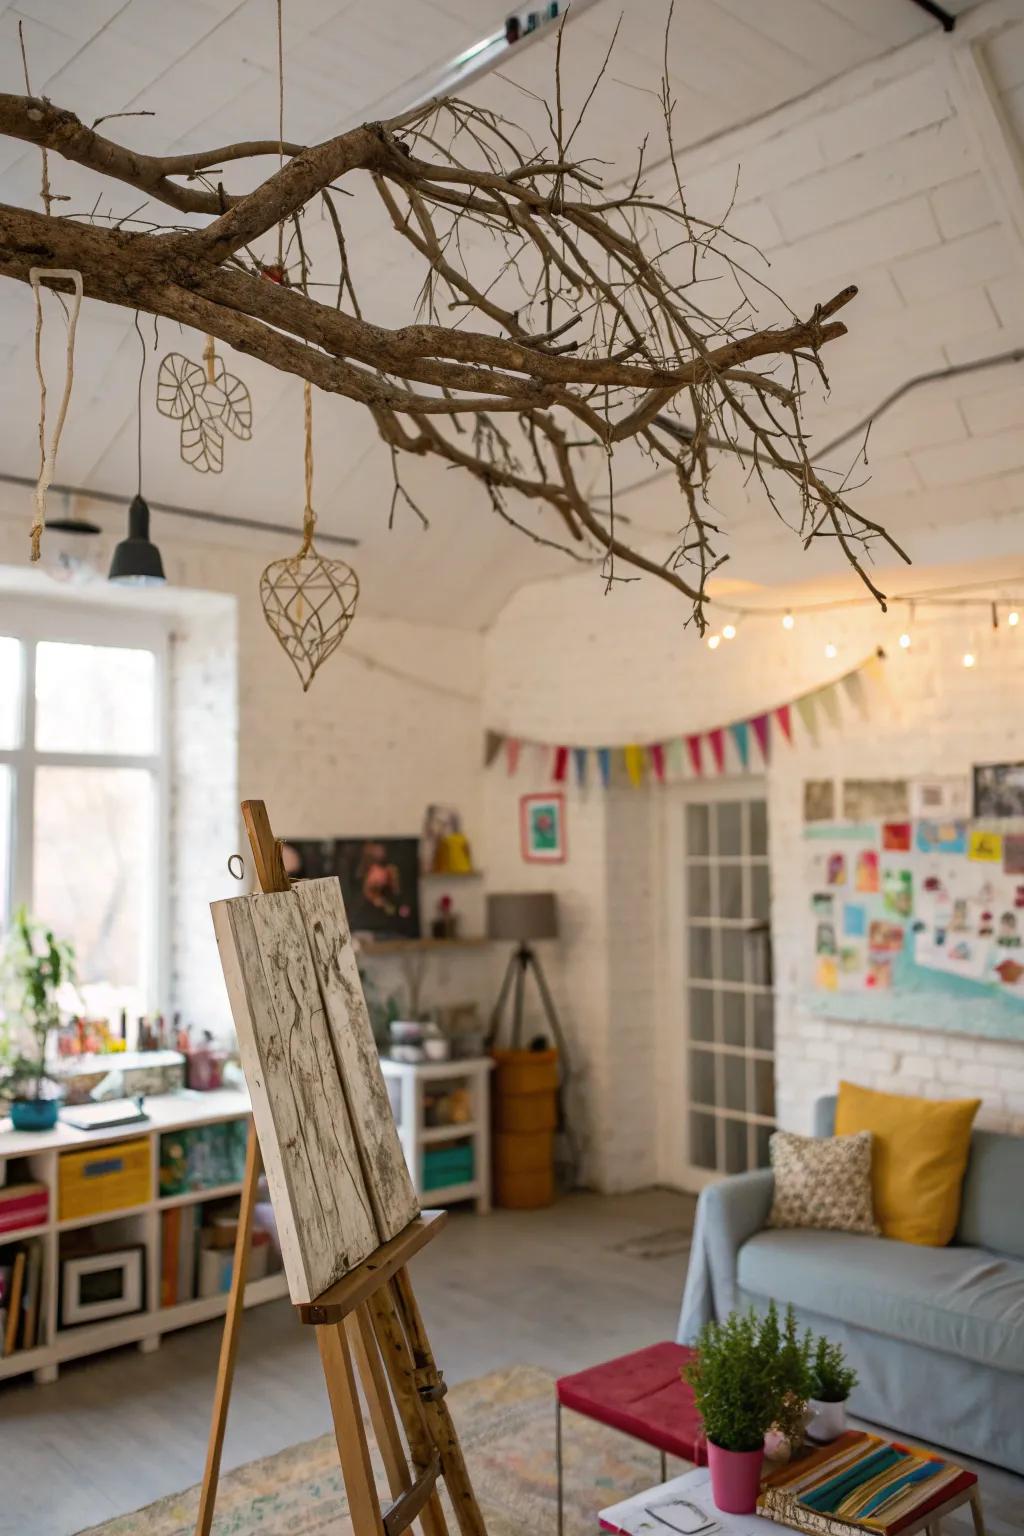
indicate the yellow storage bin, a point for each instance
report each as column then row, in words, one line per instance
column 108, row 1178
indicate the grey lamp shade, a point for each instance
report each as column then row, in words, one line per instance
column 522, row 915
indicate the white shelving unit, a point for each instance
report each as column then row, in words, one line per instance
column 410, row 1080
column 41, row 1152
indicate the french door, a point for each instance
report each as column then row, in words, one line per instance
column 718, row 852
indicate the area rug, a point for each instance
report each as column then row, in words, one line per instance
column 506, row 1422
column 669, row 1243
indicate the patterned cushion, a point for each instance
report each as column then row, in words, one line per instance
column 822, row 1181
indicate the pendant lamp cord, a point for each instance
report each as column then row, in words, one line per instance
column 138, row 411
column 308, row 516
column 280, row 123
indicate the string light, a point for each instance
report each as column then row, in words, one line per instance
column 728, row 631
column 714, row 641
column 905, row 640
column 968, row 659
column 831, row 650
column 788, row 620
column 1013, row 618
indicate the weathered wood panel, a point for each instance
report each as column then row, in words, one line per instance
column 325, row 1220
column 384, row 1168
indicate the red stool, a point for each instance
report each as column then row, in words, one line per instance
column 643, row 1395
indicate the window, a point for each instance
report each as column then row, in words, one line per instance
column 82, row 792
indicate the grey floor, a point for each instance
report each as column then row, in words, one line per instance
column 546, row 1287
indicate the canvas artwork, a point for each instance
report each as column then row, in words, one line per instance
column 542, row 828
column 379, row 879
column 334, row 1164
column 875, row 799
column 819, row 800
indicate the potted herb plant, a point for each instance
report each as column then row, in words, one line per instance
column 797, row 1381
column 33, row 967
column 736, row 1383
column 832, row 1382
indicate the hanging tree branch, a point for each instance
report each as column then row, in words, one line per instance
column 581, row 318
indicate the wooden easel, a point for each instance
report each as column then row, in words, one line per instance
column 371, row 1318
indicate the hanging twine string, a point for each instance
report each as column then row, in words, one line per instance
column 308, row 516
column 280, row 124
column 210, row 359
column 48, row 454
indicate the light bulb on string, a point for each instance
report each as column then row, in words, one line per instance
column 905, row 640
column 714, row 641
column 831, row 650
column 788, row 620
column 1013, row 618
column 728, row 631
column 968, row 658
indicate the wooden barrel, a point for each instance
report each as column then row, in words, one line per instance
column 525, row 1116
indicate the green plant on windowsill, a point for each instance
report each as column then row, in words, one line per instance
column 34, row 965
column 736, row 1379
column 833, row 1379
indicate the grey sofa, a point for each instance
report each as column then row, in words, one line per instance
column 935, row 1334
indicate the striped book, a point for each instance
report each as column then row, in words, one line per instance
column 861, row 1483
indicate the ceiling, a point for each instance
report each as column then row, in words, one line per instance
column 206, row 70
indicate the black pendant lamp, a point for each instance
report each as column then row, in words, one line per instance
column 137, row 561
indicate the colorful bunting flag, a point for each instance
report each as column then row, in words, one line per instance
column 493, row 743
column 741, row 736
column 634, row 758
column 656, row 753
column 828, row 698
column 806, row 711
column 674, row 756
column 579, row 757
column 760, row 728
column 854, row 685
column 717, row 740
column 693, row 747
column 604, row 763
column 512, row 749
column 561, row 764
column 783, row 717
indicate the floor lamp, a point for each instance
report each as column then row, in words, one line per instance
column 522, row 917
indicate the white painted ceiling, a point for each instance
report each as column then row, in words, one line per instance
column 874, row 181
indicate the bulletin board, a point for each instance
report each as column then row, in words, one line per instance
column 915, row 907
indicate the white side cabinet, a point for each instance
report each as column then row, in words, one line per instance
column 410, row 1086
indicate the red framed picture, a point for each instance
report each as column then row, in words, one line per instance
column 542, row 828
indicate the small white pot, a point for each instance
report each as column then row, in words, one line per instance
column 827, row 1421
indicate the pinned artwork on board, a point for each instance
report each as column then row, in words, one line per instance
column 825, row 939
column 827, row 973
column 940, row 799
column 822, row 905
column 835, row 873
column 885, row 937
column 875, row 799
column 945, row 837
column 998, row 790
column 898, row 892
column 866, row 877
column 851, row 960
column 542, row 828
column 819, row 800
column 1013, row 853
column 854, row 921
column 879, row 973
column 896, row 837
column 985, row 847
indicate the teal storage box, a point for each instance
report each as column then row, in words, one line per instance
column 447, row 1165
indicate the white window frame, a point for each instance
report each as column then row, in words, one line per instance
column 119, row 628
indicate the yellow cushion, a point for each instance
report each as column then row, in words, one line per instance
column 919, row 1158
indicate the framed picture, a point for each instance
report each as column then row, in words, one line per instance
column 998, row 790
column 379, row 879
column 97, row 1286
column 542, row 828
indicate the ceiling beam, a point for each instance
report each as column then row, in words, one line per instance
column 991, row 134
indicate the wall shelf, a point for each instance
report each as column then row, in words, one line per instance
column 42, row 1151
column 373, row 947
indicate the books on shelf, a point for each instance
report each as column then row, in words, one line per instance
column 179, row 1229
column 21, row 1297
column 23, row 1206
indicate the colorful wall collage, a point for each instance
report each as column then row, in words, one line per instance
column 915, row 905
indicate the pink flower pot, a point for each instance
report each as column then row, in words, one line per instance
column 735, row 1479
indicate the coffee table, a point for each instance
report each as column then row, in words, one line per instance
column 676, row 1508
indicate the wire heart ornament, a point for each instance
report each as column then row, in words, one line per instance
column 207, row 401
column 309, row 602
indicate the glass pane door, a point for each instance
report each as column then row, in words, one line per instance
column 730, row 1045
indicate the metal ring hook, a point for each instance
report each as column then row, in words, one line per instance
column 241, row 867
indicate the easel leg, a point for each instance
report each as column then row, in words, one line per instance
column 363, row 1503
column 397, row 1357
column 363, row 1344
column 439, row 1420
column 229, row 1340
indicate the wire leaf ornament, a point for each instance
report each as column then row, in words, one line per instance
column 207, row 402
column 308, row 600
